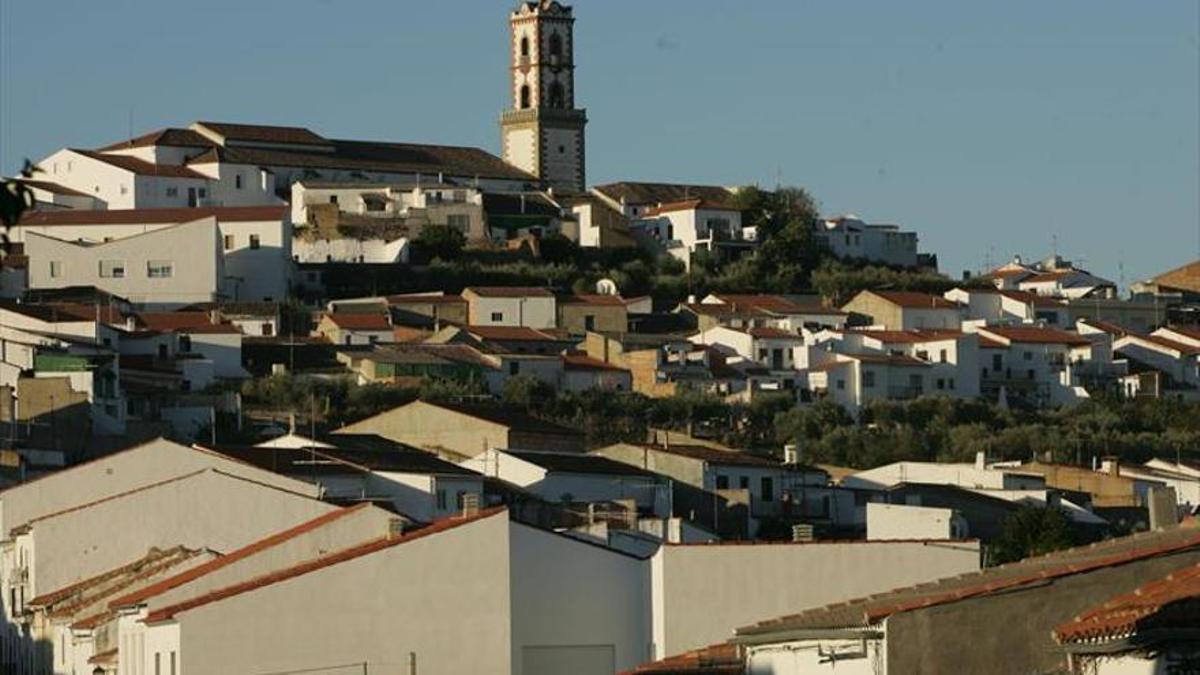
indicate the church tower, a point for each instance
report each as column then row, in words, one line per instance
column 542, row 132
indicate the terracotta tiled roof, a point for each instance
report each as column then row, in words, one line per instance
column 907, row 336
column 167, row 613
column 1108, row 327
column 170, row 136
column 139, row 596
column 141, row 167
column 522, row 333
column 1184, row 278
column 139, row 216
column 421, row 298
column 688, row 205
column 1187, row 331
column 1170, row 602
column 183, row 322
column 770, row 332
column 594, row 299
column 714, row 455
column 914, row 300
column 67, row 591
column 725, row 659
column 867, row 611
column 1182, row 348
column 662, row 193
column 510, row 291
column 262, row 133
column 775, row 304
column 585, row 362
column 106, row 657
column 360, row 321
column 53, row 188
column 1034, row 335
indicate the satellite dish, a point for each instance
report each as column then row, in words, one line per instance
column 607, row 287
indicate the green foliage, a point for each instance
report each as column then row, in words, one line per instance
column 15, row 199
column 1031, row 531
column 441, row 241
column 838, row 281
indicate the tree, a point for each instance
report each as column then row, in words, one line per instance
column 556, row 248
column 1030, row 531
column 15, row 199
column 441, row 241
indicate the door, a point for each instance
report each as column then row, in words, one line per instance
column 191, row 196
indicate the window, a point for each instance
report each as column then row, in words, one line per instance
column 942, row 356
column 237, row 181
column 524, row 46
column 941, row 383
column 56, row 269
column 160, row 269
column 230, row 241
column 514, row 367
column 1028, row 356
column 255, row 242
column 185, row 342
column 997, row 362
column 768, row 489
column 441, row 499
column 557, row 96
column 203, row 192
column 555, row 45
column 950, row 384
column 524, row 96
column 333, row 199
column 589, row 322
column 172, row 192
column 497, row 316
column 458, row 499
column 172, row 663
column 722, row 482
column 124, row 189
column 157, row 663
column 868, row 379
column 744, row 482
column 1030, row 373
column 459, row 221
column 762, row 354
column 562, row 149
column 112, row 269
column 268, row 329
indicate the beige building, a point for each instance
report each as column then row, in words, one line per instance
column 459, row 431
column 531, row 307
column 579, row 314
column 905, row 310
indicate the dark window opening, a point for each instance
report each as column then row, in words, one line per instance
column 524, row 96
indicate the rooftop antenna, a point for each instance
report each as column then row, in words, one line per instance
column 1054, row 245
column 130, row 123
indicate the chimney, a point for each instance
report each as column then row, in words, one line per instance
column 214, row 316
column 1111, row 465
column 395, row 527
column 791, row 454
column 981, row 460
column 130, row 324
column 1163, row 507
column 470, row 504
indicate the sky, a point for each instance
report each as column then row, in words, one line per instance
column 992, row 129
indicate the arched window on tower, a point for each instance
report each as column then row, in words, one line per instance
column 555, row 47
column 524, row 96
column 557, row 96
column 524, row 46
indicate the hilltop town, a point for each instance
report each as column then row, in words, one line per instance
column 277, row 402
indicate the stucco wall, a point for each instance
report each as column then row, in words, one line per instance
column 708, row 590
column 430, row 427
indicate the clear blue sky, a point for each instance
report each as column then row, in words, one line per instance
column 987, row 127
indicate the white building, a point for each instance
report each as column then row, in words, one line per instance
column 1038, row 364
column 682, row 228
column 769, row 346
column 510, row 306
column 1010, row 306
column 254, row 246
column 971, row 476
column 849, row 237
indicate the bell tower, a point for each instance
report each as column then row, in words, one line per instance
column 542, row 132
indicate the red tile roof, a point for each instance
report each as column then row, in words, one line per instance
column 170, row 137
column 594, row 299
column 1035, row 335
column 360, row 321
column 1170, row 602
column 688, row 205
column 139, row 596
column 69, row 590
column 183, row 322
column 139, row 216
column 724, row 659
column 522, row 333
column 420, row 298
column 509, row 291
column 1182, row 348
column 141, row 167
column 1184, row 278
column 1108, row 327
column 774, row 304
column 1187, row 331
column 714, row 455
column 167, row 613
column 907, row 336
column 263, row 133
column 770, row 332
column 585, row 362
column 914, row 300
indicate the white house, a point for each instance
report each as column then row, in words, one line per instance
column 851, row 380
column 772, row 347
column 254, row 244
column 1039, row 364
column 530, row 307
column 682, row 228
column 849, row 237
column 973, row 476
column 902, row 521
column 1010, row 306
column 905, row 310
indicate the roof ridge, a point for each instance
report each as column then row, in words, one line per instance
column 234, row 556
column 327, row 560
